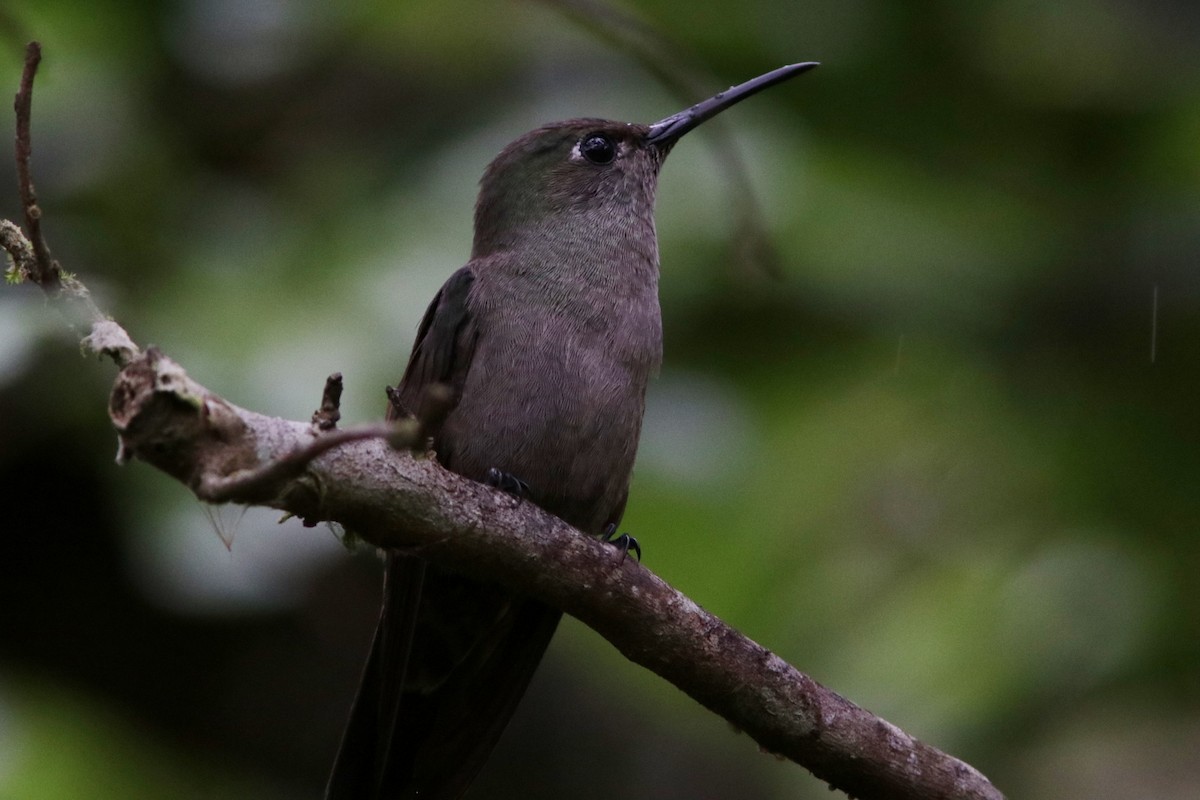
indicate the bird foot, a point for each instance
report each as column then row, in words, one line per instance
column 508, row 483
column 624, row 542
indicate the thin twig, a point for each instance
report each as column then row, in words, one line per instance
column 218, row 489
column 30, row 254
column 46, row 272
column 249, row 483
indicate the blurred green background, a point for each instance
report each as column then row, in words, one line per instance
column 947, row 462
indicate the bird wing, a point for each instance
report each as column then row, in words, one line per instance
column 451, row 657
column 445, row 345
column 441, row 355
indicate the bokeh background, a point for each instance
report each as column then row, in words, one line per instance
column 946, row 459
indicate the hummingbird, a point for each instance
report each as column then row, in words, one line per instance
column 530, row 366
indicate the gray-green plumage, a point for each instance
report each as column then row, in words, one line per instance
column 546, row 339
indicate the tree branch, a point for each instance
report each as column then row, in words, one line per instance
column 392, row 499
column 365, row 479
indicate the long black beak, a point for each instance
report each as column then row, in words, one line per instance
column 665, row 133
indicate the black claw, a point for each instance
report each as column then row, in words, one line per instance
column 507, row 482
column 623, row 541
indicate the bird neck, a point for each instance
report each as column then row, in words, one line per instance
column 582, row 250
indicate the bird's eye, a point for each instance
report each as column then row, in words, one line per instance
column 598, row 148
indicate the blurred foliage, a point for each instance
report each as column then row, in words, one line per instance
column 947, row 463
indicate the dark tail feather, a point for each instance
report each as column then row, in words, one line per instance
column 362, row 755
column 474, row 650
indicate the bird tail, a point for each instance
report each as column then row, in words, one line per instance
column 450, row 661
